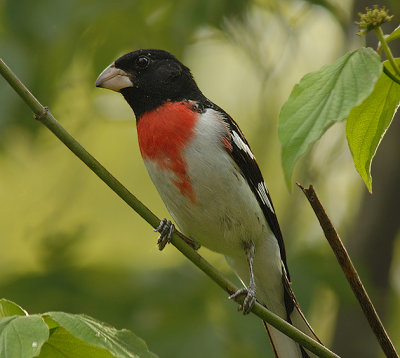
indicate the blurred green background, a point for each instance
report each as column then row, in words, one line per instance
column 68, row 243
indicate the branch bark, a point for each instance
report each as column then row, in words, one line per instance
column 43, row 115
column 350, row 272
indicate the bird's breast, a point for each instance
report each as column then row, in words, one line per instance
column 199, row 183
column 163, row 134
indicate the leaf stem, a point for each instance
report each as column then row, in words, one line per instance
column 45, row 117
column 386, row 49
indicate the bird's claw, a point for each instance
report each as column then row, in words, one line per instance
column 166, row 228
column 249, row 300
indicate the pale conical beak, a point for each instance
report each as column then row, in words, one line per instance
column 114, row 79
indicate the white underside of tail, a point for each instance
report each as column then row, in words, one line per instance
column 300, row 322
column 284, row 346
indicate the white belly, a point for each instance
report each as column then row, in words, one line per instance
column 225, row 212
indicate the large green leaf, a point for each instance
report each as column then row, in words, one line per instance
column 63, row 344
column 22, row 336
column 322, row 98
column 120, row 343
column 367, row 124
column 64, row 335
column 9, row 308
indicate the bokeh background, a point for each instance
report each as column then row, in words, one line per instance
column 68, row 243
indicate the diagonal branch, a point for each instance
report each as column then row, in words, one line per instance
column 350, row 272
column 43, row 115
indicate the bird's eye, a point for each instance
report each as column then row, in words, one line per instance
column 142, row 62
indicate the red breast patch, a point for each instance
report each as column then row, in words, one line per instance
column 163, row 134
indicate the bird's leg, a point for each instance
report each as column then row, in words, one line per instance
column 166, row 228
column 250, row 291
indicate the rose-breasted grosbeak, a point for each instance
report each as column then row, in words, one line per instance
column 208, row 178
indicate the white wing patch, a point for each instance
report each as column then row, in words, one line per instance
column 241, row 145
column 262, row 191
column 261, row 188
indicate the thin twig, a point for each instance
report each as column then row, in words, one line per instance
column 350, row 273
column 43, row 115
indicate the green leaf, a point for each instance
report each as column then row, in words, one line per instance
column 120, row 343
column 394, row 35
column 367, row 124
column 51, row 323
column 22, row 336
column 9, row 308
column 322, row 98
column 64, row 345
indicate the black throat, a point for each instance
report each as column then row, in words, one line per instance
column 142, row 101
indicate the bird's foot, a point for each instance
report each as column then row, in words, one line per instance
column 166, row 228
column 249, row 300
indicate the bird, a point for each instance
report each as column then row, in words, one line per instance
column 207, row 176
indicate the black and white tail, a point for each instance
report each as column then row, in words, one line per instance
column 283, row 346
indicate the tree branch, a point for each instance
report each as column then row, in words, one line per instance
column 350, row 273
column 43, row 115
